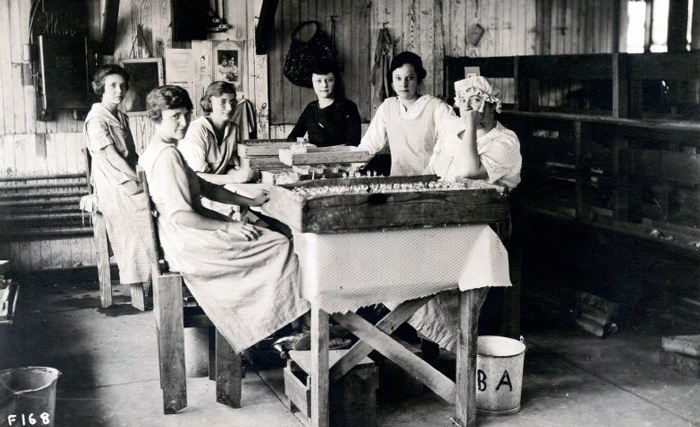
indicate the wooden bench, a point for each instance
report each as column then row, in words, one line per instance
column 173, row 313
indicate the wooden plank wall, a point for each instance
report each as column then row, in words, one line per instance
column 435, row 28
column 29, row 146
column 431, row 28
column 351, row 41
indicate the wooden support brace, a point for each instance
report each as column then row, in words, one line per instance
column 228, row 373
column 387, row 346
column 388, row 325
column 167, row 299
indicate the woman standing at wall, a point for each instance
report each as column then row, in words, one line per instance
column 119, row 194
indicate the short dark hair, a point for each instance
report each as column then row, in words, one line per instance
column 329, row 68
column 215, row 89
column 168, row 97
column 325, row 68
column 98, row 77
column 410, row 58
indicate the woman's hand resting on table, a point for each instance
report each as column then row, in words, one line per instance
column 242, row 174
column 262, row 198
column 248, row 231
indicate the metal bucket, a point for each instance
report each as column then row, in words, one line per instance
column 28, row 396
column 499, row 375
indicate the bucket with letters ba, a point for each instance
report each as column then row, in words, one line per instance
column 499, row 374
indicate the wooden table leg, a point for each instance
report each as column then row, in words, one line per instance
column 319, row 367
column 470, row 303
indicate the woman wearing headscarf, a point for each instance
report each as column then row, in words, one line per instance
column 117, row 188
column 476, row 145
column 408, row 122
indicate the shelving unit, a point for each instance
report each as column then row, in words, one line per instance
column 608, row 140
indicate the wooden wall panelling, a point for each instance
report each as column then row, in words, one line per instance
column 258, row 76
column 28, row 90
column 16, row 28
column 457, row 27
column 425, row 28
column 6, row 67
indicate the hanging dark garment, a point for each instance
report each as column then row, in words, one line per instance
column 380, row 69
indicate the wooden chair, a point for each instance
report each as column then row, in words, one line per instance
column 99, row 229
column 173, row 313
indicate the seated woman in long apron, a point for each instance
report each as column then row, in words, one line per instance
column 120, row 196
column 331, row 119
column 245, row 277
column 477, row 147
column 408, row 122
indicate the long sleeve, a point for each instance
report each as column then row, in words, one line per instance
column 375, row 139
column 301, row 127
column 353, row 125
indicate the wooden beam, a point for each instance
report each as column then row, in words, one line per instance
column 319, row 368
column 167, row 299
column 414, row 365
column 104, row 274
column 387, row 324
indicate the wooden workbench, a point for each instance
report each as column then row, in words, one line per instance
column 327, row 222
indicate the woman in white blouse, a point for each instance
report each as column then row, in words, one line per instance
column 409, row 122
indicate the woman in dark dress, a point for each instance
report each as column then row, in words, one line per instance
column 331, row 119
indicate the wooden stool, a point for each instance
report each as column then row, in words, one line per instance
column 352, row 399
column 99, row 229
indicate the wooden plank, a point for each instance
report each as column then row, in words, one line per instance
column 260, row 79
column 417, row 367
column 387, row 325
column 229, row 371
column 683, row 344
column 167, row 300
column 17, row 28
column 324, row 155
column 319, row 368
column 470, row 303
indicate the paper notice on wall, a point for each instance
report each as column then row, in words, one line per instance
column 178, row 66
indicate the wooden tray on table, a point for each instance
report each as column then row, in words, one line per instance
column 360, row 204
column 263, row 154
column 324, row 155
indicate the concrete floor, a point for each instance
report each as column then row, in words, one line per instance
column 108, row 360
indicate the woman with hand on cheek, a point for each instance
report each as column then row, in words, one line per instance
column 247, row 276
column 476, row 145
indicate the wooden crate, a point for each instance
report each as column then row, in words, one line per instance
column 352, row 399
column 324, row 155
column 337, row 213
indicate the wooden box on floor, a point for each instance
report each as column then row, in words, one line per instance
column 352, row 399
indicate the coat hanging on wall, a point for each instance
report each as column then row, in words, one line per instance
column 304, row 55
column 380, row 68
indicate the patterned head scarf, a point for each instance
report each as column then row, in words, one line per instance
column 478, row 86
